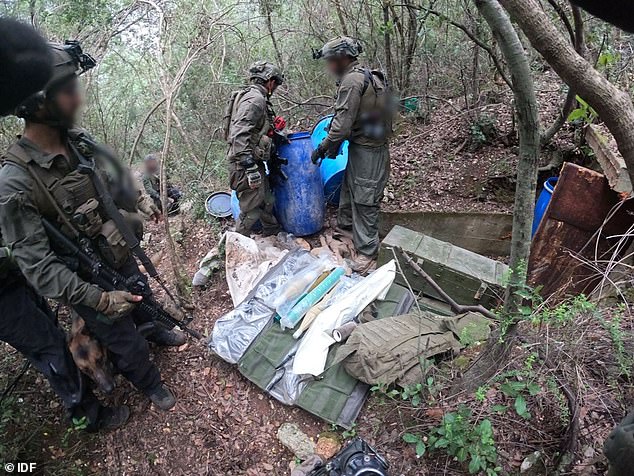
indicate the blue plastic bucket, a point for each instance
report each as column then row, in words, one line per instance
column 542, row 202
column 299, row 200
column 235, row 205
column 235, row 211
column 332, row 170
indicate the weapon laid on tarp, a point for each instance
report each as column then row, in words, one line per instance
column 110, row 280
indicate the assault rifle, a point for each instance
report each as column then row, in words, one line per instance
column 276, row 162
column 109, row 280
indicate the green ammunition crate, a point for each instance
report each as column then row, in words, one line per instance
column 467, row 277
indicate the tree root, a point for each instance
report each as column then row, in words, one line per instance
column 457, row 308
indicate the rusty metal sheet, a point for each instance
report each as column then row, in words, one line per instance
column 582, row 198
column 579, row 206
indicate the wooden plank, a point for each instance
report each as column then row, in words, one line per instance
column 609, row 158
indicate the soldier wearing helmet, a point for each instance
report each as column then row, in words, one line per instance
column 50, row 173
column 28, row 323
column 248, row 121
column 363, row 116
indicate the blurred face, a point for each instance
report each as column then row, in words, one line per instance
column 66, row 102
column 151, row 166
column 338, row 65
column 271, row 85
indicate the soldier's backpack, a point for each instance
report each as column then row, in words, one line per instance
column 229, row 108
column 377, row 124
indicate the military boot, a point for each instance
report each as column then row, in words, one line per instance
column 167, row 338
column 363, row 264
column 111, row 418
column 162, row 397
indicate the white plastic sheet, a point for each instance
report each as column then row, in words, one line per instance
column 247, row 261
column 313, row 348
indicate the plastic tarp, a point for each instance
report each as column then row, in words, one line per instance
column 248, row 260
column 312, row 352
column 234, row 332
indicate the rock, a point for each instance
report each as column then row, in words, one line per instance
column 529, row 465
column 328, row 445
column 307, row 466
column 296, row 441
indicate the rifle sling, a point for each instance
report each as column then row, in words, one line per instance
column 34, row 171
column 88, row 166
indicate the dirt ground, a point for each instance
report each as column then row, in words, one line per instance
column 224, row 425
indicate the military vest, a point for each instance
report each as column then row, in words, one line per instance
column 67, row 197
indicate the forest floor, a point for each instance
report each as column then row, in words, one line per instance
column 224, row 425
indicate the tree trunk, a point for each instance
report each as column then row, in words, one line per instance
column 500, row 343
column 387, row 42
column 613, row 105
column 179, row 271
column 577, row 38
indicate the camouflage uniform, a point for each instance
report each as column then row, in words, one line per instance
column 361, row 95
column 23, row 203
column 250, row 122
column 152, row 186
column 248, row 138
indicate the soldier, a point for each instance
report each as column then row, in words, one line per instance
column 152, row 185
column 363, row 117
column 26, row 321
column 248, row 120
column 46, row 176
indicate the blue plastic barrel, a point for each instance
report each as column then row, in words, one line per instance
column 299, row 201
column 542, row 202
column 332, row 170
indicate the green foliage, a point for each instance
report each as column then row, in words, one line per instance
column 531, row 306
column 345, row 434
column 562, row 401
column 418, row 443
column 471, row 443
column 77, row 426
column 613, row 326
column 413, row 393
column 584, row 113
column 482, row 131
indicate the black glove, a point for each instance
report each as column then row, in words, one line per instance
column 318, row 154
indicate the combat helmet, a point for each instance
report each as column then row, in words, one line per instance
column 68, row 61
column 265, row 71
column 339, row 47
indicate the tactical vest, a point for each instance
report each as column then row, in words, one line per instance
column 69, row 199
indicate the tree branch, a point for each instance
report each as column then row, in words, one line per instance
column 475, row 39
